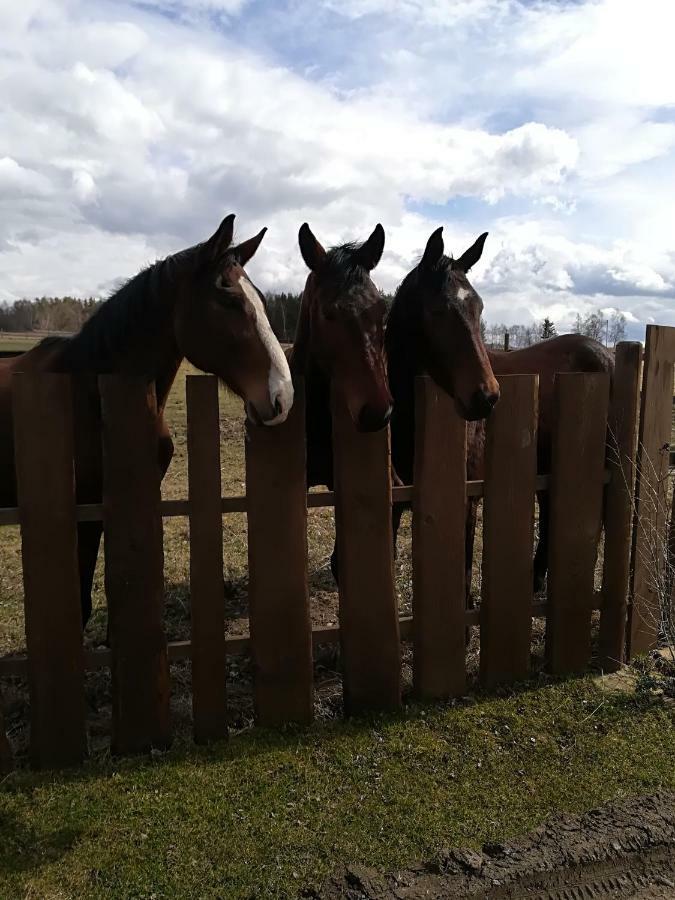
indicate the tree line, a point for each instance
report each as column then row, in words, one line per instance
column 69, row 314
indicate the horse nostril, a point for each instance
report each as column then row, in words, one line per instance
column 278, row 408
column 492, row 398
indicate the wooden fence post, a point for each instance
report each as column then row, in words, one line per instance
column 280, row 625
column 134, row 564
column 209, row 700
column 369, row 631
column 508, row 532
column 577, row 483
column 650, row 554
column 621, row 446
column 43, row 437
column 438, row 545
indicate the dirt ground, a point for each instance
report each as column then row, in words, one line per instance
column 625, row 849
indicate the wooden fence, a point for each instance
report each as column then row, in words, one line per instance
column 281, row 638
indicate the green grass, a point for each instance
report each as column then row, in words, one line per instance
column 270, row 812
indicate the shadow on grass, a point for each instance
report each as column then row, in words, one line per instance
column 258, row 742
column 23, row 849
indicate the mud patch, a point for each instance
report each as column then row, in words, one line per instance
column 622, row 850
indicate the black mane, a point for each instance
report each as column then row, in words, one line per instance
column 130, row 318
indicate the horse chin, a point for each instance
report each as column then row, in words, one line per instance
column 252, row 415
column 469, row 414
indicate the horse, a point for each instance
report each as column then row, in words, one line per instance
column 565, row 353
column 418, row 343
column 339, row 345
column 434, row 328
column 197, row 304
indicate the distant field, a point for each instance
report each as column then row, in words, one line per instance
column 18, row 341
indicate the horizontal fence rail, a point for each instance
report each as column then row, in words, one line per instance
column 240, row 644
column 93, row 512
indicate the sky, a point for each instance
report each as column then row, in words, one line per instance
column 128, row 130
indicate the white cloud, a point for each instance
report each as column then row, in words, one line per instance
column 129, row 129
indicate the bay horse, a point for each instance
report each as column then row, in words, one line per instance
column 339, row 343
column 434, row 329
column 197, row 304
column 565, row 353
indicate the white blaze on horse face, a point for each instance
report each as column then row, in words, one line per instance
column 462, row 293
column 280, row 383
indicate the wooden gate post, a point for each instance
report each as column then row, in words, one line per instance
column 43, row 436
column 621, row 448
column 369, row 631
column 280, row 624
column 508, row 532
column 209, row 701
column 650, row 556
column 134, row 564
column 577, row 483
column 438, row 545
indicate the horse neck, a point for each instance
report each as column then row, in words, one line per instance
column 140, row 342
column 299, row 360
column 302, row 361
column 404, row 358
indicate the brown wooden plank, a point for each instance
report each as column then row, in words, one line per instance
column 621, row 448
column 43, row 436
column 651, row 505
column 508, row 532
column 209, row 700
column 577, row 469
column 281, row 628
column 369, row 632
column 134, row 565
column 438, row 546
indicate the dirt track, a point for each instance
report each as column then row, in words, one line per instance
column 625, row 849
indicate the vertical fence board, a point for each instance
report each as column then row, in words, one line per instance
column 134, row 564
column 508, row 532
column 438, row 549
column 577, row 476
column 209, row 701
column 369, row 631
column 43, row 435
column 281, row 629
column 621, row 447
column 650, row 555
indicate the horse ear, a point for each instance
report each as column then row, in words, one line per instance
column 219, row 242
column 312, row 251
column 433, row 250
column 244, row 251
column 370, row 253
column 471, row 256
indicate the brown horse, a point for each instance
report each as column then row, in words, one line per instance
column 566, row 353
column 197, row 304
column 339, row 343
column 434, row 328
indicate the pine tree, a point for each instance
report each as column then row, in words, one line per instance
column 547, row 329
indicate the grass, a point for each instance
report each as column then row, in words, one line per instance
column 271, row 812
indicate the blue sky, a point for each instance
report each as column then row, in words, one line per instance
column 130, row 129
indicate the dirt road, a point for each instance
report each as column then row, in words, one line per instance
column 622, row 850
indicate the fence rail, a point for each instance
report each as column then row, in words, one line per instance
column 281, row 639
